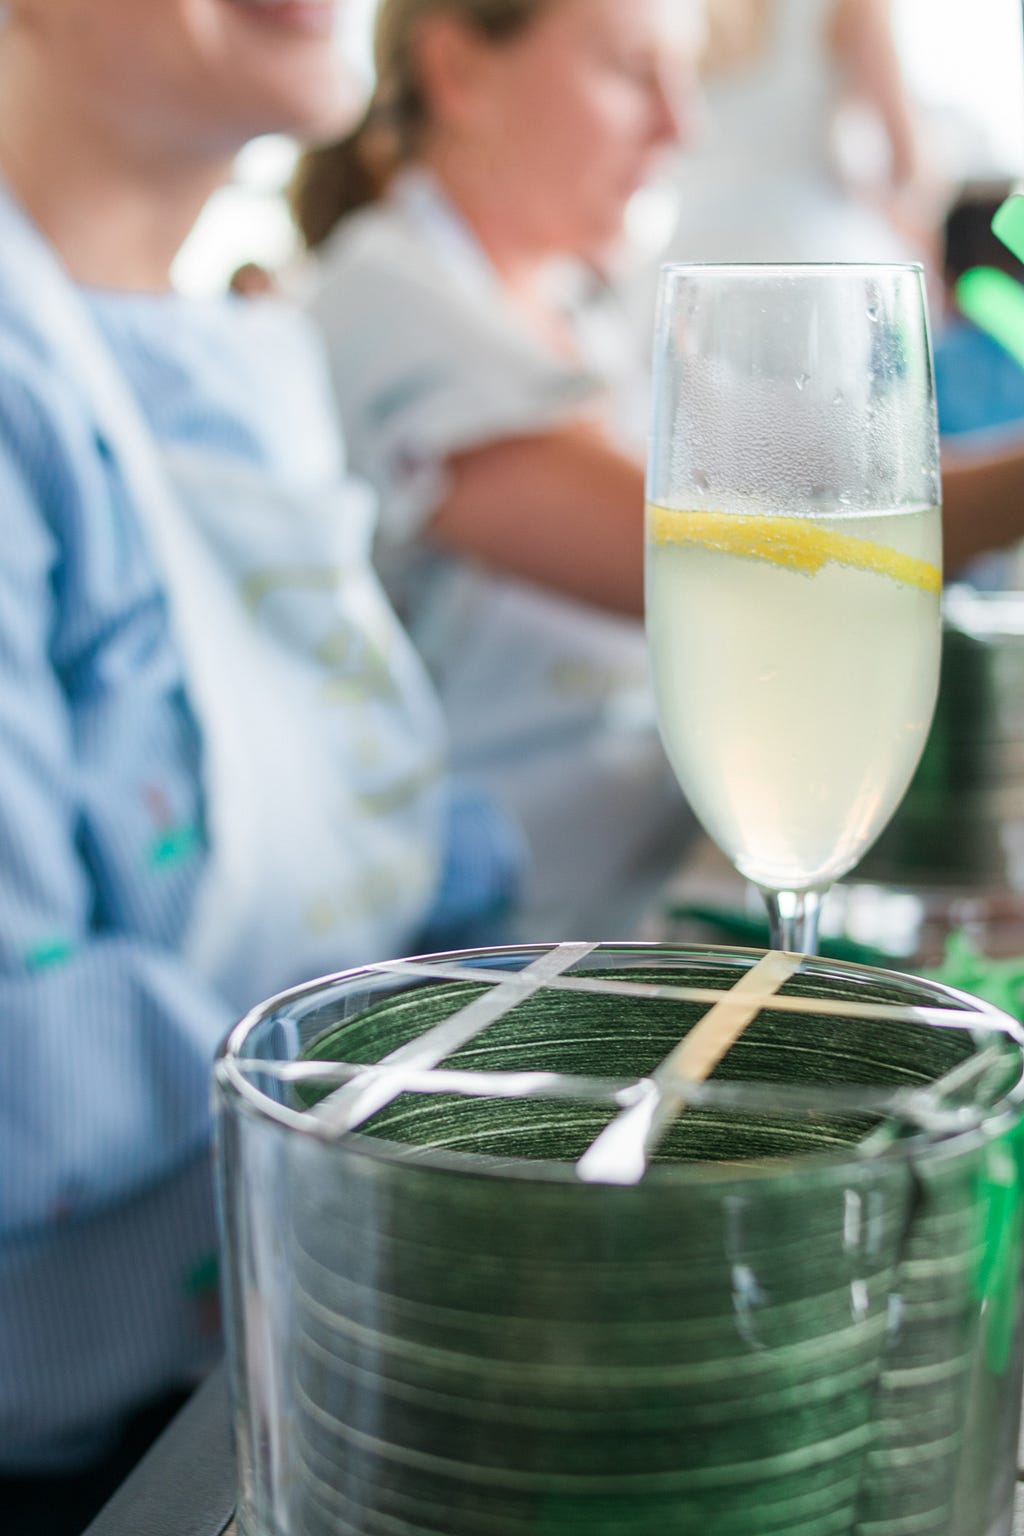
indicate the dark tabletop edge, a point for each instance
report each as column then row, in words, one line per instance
column 185, row 1484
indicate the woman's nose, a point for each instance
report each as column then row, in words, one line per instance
column 675, row 104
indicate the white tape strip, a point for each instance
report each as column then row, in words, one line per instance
column 619, row 1155
column 821, row 1007
column 357, row 1101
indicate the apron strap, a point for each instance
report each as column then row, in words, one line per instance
column 69, row 330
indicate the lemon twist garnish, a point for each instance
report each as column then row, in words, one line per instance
column 796, row 542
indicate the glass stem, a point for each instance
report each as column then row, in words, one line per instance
column 793, row 919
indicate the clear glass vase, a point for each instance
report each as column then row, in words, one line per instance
column 785, row 1301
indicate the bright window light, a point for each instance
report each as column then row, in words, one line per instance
column 964, row 65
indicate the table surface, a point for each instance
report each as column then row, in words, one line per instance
column 185, row 1484
column 910, row 923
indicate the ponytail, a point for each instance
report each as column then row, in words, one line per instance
column 336, row 180
column 332, row 182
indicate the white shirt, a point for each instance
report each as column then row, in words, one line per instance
column 547, row 700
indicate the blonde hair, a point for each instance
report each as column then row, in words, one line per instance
column 336, row 179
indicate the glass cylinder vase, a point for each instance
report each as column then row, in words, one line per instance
column 631, row 1240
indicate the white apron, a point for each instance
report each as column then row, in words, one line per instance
column 322, row 741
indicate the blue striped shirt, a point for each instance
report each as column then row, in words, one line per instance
column 106, row 1221
column 107, row 1037
column 100, row 814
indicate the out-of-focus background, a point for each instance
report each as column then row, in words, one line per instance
column 961, row 63
column 963, row 67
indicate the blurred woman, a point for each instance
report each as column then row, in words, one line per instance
column 495, row 398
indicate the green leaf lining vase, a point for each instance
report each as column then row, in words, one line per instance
column 803, row 1319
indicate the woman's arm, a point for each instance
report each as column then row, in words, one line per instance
column 862, row 37
column 563, row 509
column 983, row 504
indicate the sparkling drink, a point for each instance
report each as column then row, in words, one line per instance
column 793, row 561
column 794, row 755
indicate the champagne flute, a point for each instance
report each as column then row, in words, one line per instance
column 793, row 562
